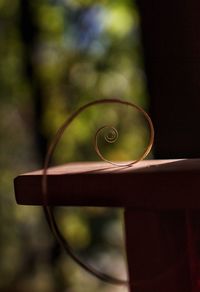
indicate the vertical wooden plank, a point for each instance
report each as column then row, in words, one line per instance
column 157, row 254
column 193, row 242
column 170, row 35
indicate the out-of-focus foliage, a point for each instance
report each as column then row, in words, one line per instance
column 54, row 57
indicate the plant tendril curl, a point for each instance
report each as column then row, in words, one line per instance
column 110, row 138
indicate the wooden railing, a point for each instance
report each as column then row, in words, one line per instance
column 160, row 198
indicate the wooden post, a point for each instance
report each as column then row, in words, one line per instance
column 170, row 36
column 157, row 257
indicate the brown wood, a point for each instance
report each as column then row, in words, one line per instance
column 152, row 184
column 162, row 236
column 158, row 255
column 171, row 44
column 171, row 34
column 161, row 233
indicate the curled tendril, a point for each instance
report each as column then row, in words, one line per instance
column 111, row 137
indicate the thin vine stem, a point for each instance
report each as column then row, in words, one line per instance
column 49, row 214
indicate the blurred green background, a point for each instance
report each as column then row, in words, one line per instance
column 55, row 56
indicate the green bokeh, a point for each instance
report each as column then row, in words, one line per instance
column 54, row 57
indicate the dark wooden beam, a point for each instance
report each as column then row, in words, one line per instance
column 153, row 184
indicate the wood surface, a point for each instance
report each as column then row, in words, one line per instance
column 157, row 251
column 150, row 184
column 159, row 197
